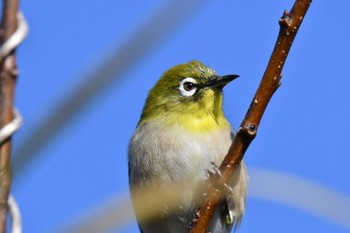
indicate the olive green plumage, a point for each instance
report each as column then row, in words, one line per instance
column 201, row 112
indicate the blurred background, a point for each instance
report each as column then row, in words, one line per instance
column 85, row 71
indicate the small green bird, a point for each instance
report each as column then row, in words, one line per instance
column 181, row 134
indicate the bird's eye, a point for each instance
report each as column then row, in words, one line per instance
column 188, row 87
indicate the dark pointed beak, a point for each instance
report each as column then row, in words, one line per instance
column 217, row 81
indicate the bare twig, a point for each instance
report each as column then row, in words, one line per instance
column 8, row 75
column 289, row 25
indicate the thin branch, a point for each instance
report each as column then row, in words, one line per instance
column 289, row 25
column 8, row 76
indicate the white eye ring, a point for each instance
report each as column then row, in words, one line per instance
column 186, row 89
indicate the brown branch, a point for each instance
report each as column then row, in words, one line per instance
column 8, row 75
column 289, row 25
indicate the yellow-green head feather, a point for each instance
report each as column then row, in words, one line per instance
column 173, row 101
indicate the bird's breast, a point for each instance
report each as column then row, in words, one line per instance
column 175, row 153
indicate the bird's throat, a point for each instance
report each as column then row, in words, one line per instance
column 200, row 124
column 200, row 116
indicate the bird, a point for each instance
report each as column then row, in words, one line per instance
column 181, row 137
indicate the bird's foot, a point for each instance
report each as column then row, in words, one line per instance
column 218, row 173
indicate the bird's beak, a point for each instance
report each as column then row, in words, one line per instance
column 217, row 81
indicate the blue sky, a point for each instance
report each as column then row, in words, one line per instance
column 303, row 134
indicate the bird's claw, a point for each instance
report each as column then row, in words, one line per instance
column 218, row 172
column 216, row 168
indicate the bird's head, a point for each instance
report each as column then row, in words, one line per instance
column 188, row 95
